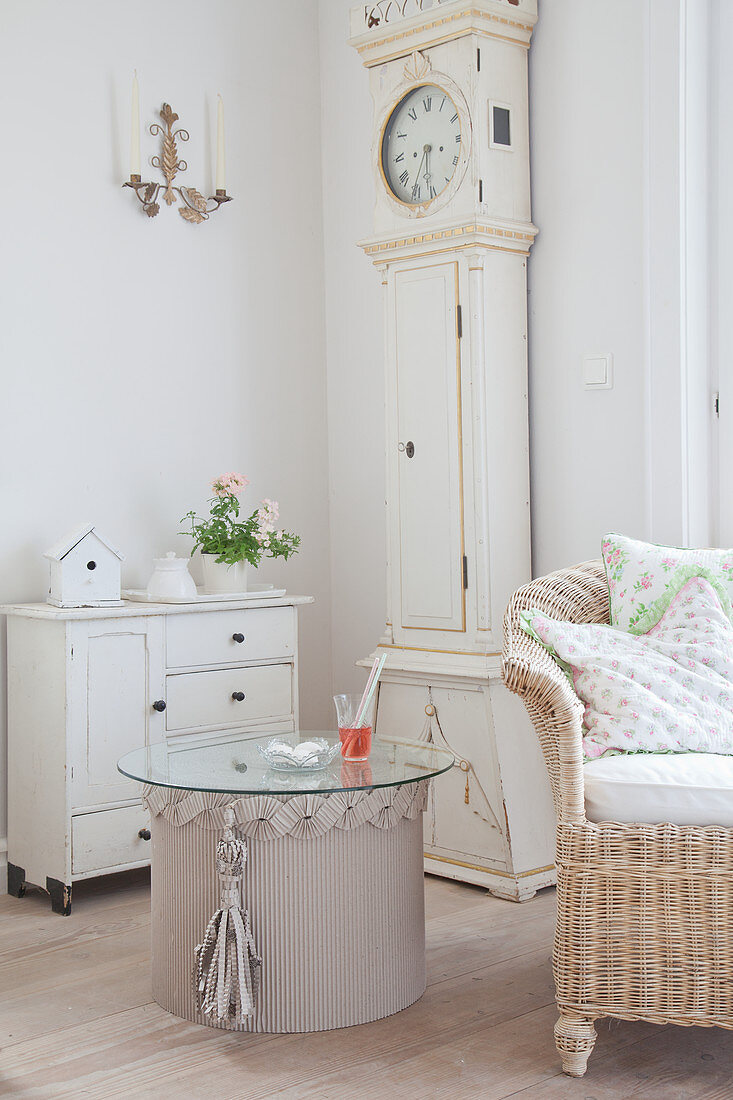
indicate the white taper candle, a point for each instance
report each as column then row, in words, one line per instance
column 135, row 129
column 220, row 163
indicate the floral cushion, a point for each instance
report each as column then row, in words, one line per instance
column 642, row 578
column 670, row 690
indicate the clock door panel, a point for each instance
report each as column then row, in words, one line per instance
column 429, row 455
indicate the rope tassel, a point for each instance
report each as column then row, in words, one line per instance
column 227, row 963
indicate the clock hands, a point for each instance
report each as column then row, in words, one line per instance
column 428, row 176
column 416, row 185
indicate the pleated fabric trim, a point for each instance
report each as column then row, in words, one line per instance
column 303, row 816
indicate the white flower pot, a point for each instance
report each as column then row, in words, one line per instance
column 220, row 577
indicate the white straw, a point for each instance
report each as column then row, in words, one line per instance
column 368, row 685
column 369, row 691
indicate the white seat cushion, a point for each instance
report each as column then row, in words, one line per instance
column 689, row 788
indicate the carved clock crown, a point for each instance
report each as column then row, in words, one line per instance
column 477, row 54
column 416, row 67
column 379, row 28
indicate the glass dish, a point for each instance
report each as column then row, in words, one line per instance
column 284, row 756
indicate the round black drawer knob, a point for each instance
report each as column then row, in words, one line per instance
column 144, row 834
column 91, row 565
column 237, row 637
column 159, row 705
column 238, row 696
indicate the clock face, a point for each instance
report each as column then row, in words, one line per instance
column 421, row 145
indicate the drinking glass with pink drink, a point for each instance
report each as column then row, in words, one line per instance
column 356, row 739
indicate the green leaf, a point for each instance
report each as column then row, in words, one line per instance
column 233, row 540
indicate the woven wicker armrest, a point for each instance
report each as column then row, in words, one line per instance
column 576, row 595
column 644, row 911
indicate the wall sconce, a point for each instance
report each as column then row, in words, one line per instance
column 195, row 207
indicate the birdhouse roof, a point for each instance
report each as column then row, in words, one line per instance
column 68, row 542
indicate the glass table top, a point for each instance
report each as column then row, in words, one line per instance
column 234, row 766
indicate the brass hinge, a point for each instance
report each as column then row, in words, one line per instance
column 716, row 404
column 459, row 321
column 465, row 571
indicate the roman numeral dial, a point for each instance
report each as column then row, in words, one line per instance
column 421, row 145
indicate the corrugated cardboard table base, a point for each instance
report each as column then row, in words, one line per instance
column 338, row 920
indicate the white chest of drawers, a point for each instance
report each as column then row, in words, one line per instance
column 87, row 685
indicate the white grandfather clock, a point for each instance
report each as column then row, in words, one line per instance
column 452, row 233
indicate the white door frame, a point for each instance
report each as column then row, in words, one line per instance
column 679, row 378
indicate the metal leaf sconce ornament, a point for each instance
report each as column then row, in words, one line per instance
column 195, row 207
column 169, row 162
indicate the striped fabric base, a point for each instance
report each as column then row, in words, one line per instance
column 338, row 919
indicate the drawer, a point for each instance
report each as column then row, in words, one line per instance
column 206, row 698
column 108, row 838
column 208, row 638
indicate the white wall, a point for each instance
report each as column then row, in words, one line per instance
column 355, row 355
column 141, row 358
column 586, row 276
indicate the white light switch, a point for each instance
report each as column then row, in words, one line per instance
column 597, row 372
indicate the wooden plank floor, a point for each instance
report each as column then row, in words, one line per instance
column 77, row 1019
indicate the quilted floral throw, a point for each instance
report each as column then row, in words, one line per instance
column 668, row 690
column 642, row 578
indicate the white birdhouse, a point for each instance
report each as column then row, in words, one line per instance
column 85, row 570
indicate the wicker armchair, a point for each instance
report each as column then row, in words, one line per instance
column 645, row 912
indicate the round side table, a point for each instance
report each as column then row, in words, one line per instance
column 333, row 880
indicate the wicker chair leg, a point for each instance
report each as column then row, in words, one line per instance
column 575, row 1038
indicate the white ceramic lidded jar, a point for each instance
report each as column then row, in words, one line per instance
column 171, row 579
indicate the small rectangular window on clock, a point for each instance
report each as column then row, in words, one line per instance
column 500, row 136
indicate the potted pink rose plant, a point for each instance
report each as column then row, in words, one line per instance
column 230, row 544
